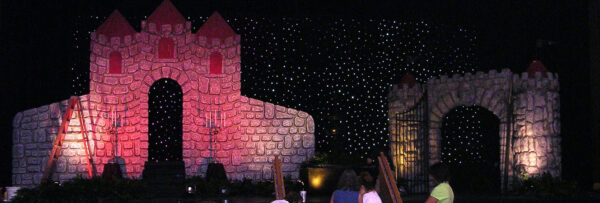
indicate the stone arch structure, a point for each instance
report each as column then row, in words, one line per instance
column 458, row 91
column 526, row 106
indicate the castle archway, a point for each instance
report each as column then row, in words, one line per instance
column 470, row 146
column 165, row 115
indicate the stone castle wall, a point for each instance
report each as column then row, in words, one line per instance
column 269, row 130
column 34, row 131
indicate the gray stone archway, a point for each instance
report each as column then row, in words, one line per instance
column 489, row 94
column 527, row 108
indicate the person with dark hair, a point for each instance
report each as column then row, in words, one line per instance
column 293, row 197
column 347, row 188
column 442, row 192
column 367, row 192
column 373, row 167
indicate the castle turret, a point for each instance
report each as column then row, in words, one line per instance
column 536, row 144
column 404, row 134
column 166, row 18
column 216, row 28
column 115, row 26
column 407, row 81
column 536, row 67
column 219, row 86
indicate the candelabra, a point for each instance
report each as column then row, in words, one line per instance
column 116, row 122
column 115, row 166
column 214, row 121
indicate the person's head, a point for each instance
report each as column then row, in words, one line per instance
column 367, row 181
column 293, row 197
column 348, row 181
column 372, row 157
column 439, row 172
column 369, row 160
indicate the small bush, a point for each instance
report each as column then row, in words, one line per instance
column 338, row 158
column 127, row 190
column 84, row 190
column 546, row 186
column 244, row 187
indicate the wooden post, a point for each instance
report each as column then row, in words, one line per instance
column 278, row 179
column 386, row 177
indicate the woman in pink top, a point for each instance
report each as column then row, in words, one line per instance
column 367, row 192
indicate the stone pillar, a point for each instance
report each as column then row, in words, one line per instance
column 403, row 152
column 536, row 142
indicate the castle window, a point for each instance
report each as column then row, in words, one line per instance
column 216, row 63
column 166, row 48
column 114, row 63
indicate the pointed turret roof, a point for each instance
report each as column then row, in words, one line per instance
column 115, row 26
column 408, row 79
column 536, row 66
column 216, row 27
column 166, row 13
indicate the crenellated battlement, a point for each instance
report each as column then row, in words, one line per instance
column 218, row 43
column 546, row 80
column 523, row 80
column 174, row 29
column 479, row 75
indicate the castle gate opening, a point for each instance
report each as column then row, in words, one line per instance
column 471, row 148
column 165, row 107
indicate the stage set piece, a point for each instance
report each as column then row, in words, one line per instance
column 513, row 121
column 162, row 99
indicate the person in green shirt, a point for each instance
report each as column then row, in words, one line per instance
column 442, row 192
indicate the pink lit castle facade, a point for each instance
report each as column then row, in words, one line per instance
column 212, row 120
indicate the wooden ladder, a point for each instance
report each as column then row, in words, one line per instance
column 74, row 105
column 278, row 179
column 385, row 173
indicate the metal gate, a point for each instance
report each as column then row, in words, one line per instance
column 410, row 147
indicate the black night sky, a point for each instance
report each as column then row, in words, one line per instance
column 334, row 61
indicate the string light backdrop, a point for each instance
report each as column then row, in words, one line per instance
column 338, row 70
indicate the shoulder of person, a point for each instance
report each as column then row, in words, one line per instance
column 372, row 197
column 441, row 191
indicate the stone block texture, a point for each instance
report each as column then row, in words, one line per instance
column 535, row 144
column 254, row 131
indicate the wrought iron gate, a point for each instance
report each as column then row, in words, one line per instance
column 410, row 147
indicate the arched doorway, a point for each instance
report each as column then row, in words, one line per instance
column 165, row 110
column 164, row 171
column 471, row 148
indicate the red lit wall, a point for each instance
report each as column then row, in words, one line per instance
column 253, row 131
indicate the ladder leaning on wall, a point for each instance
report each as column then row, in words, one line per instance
column 73, row 105
column 389, row 189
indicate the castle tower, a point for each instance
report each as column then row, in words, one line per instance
column 407, row 121
column 536, row 144
column 219, row 86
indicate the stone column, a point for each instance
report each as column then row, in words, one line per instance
column 536, row 143
column 404, row 152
